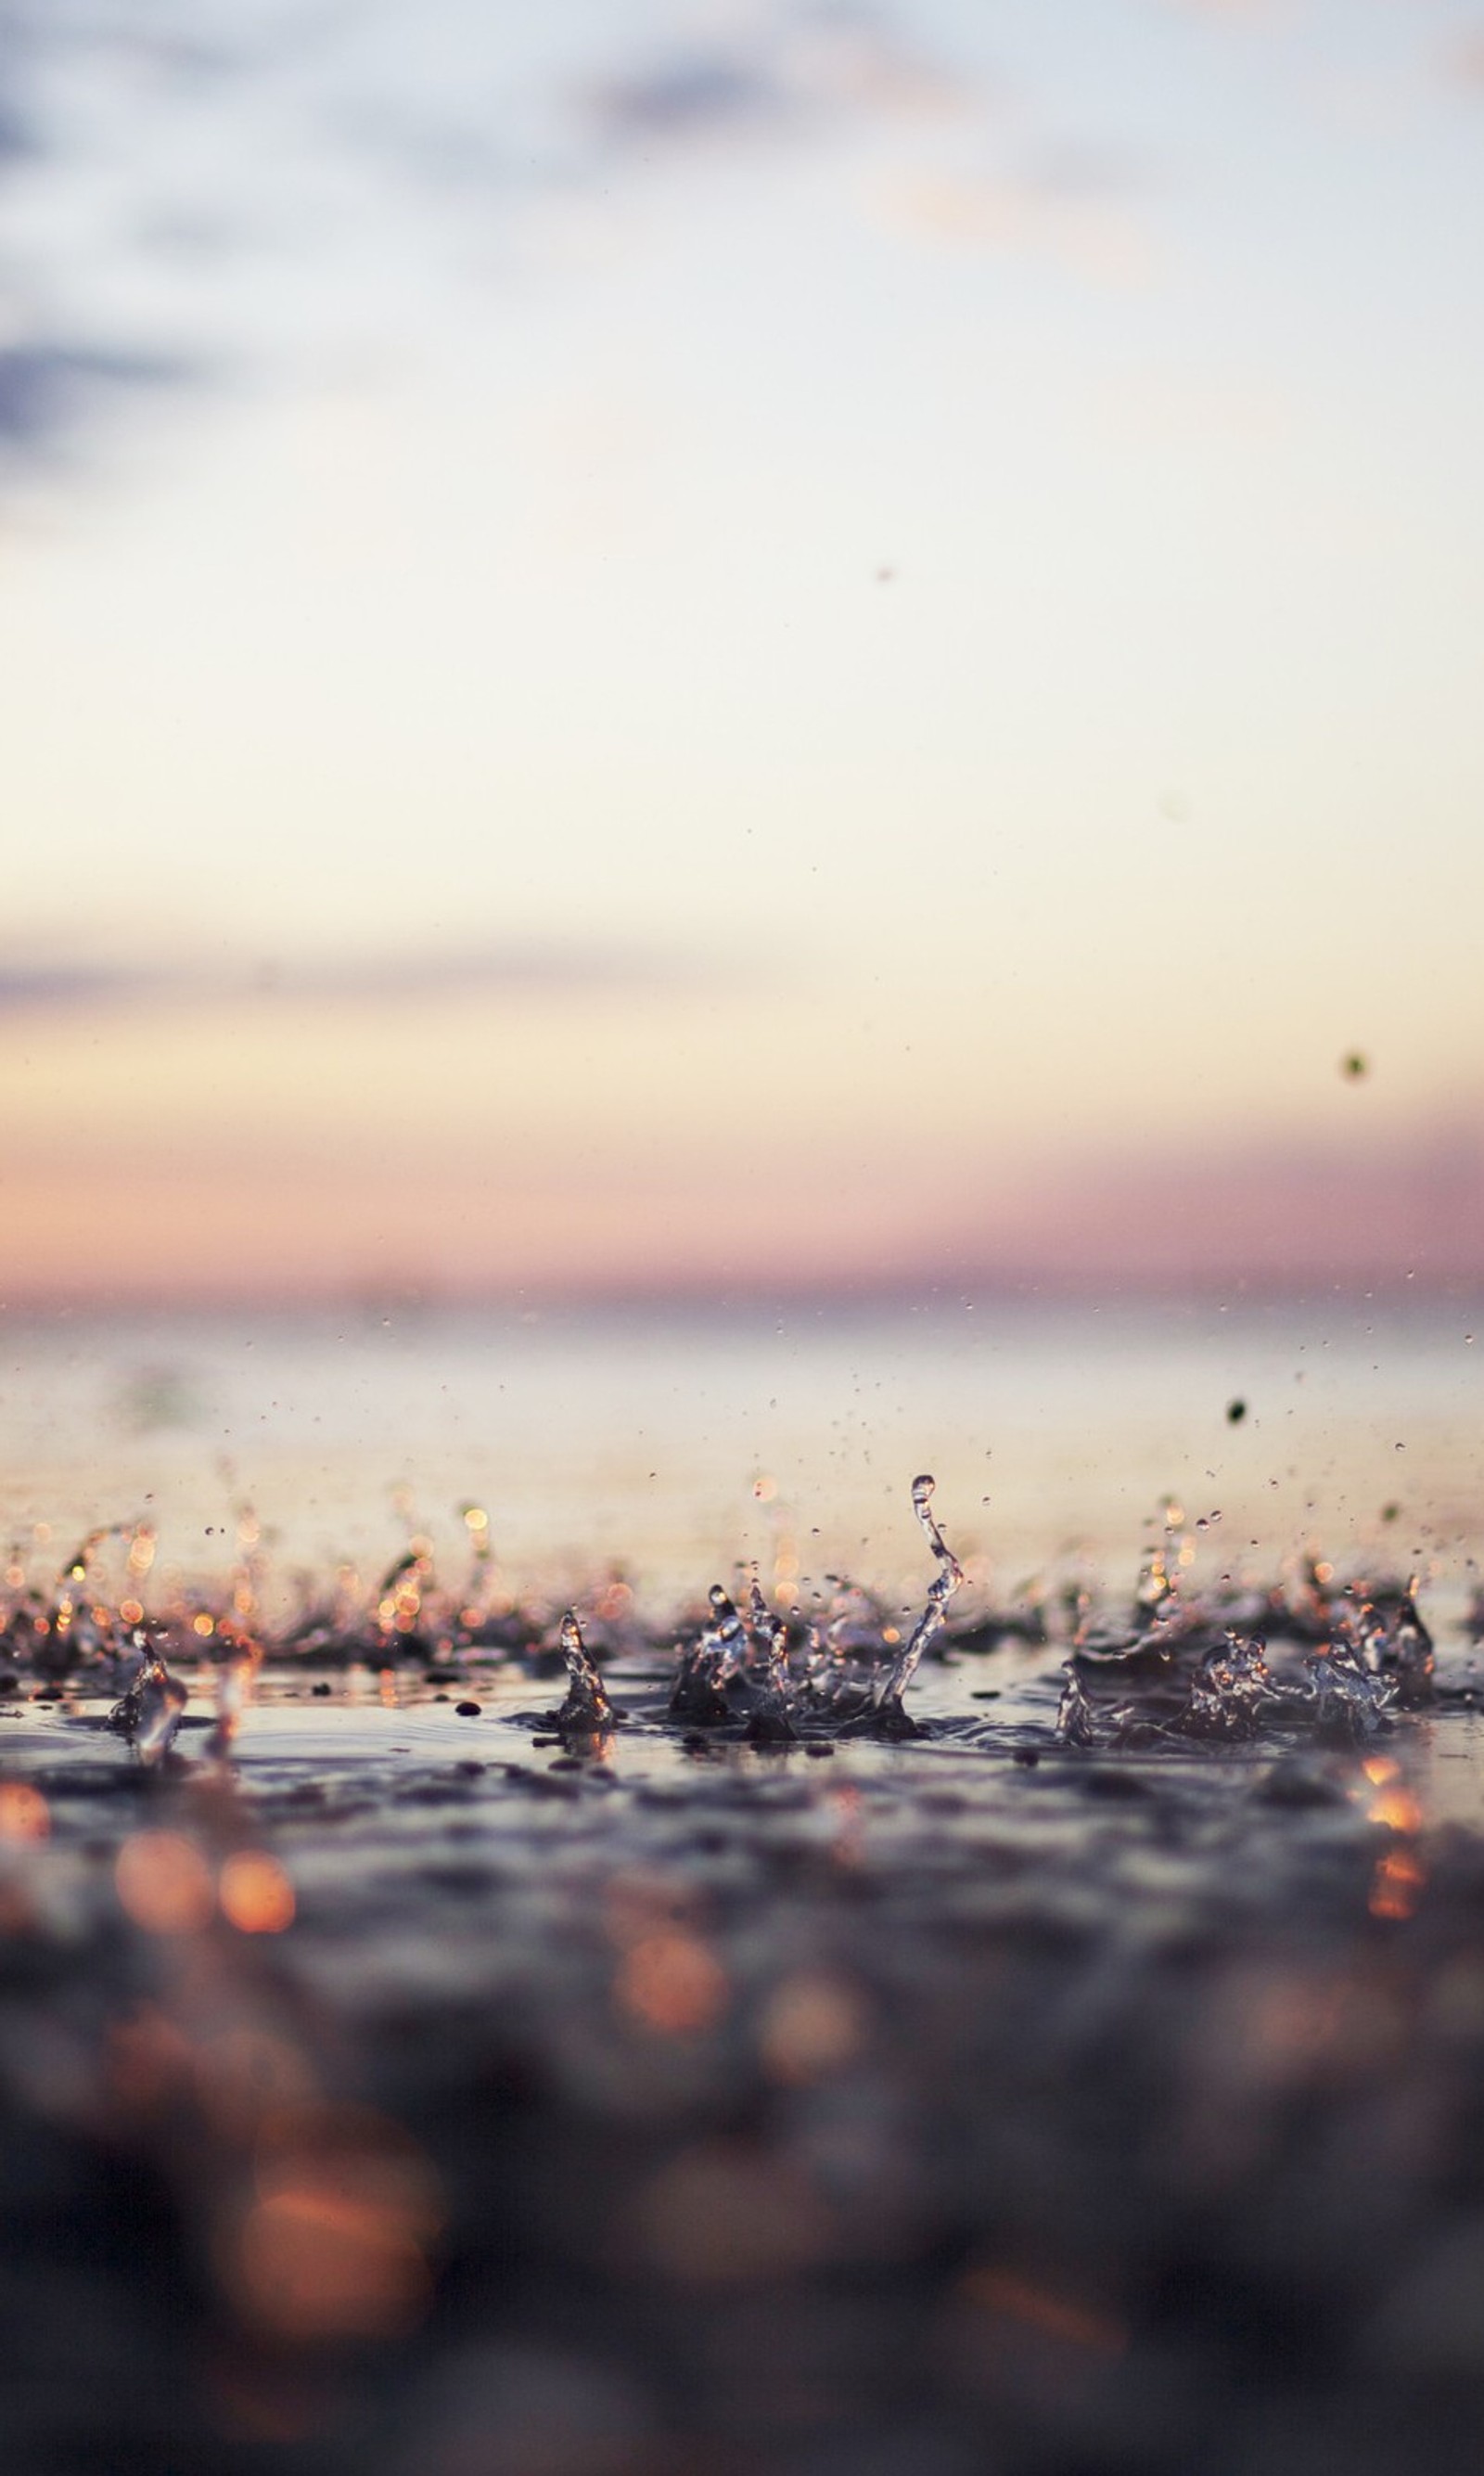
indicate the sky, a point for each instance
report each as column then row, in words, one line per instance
column 739, row 647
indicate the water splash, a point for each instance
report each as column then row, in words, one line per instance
column 739, row 1670
column 1196, row 1662
column 1075, row 1724
column 707, row 1668
column 1230, row 1691
column 1394, row 1643
column 149, row 1714
column 1173, row 1665
column 586, row 1709
column 770, row 1719
column 778, row 1680
column 1347, row 1703
column 888, row 1691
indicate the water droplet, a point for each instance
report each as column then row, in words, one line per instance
column 1236, row 1412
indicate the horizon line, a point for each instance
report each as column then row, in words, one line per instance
column 1051, row 1287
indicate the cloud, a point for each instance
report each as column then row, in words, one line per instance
column 792, row 70
column 402, row 978
column 46, row 389
column 44, row 988
column 17, row 138
column 683, row 98
column 495, row 971
column 1069, row 212
column 805, row 71
column 82, row 93
column 135, row 136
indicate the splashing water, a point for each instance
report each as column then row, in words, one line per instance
column 848, row 1675
column 149, row 1714
column 1230, row 1690
column 1395, row 1643
column 708, row 1667
column 739, row 1670
column 586, row 1709
column 770, row 1721
column 1075, row 1724
column 887, row 1693
column 1347, row 1704
column 1171, row 1666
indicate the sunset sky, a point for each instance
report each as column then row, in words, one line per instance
column 739, row 646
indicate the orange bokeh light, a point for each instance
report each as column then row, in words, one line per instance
column 1397, row 1885
column 333, row 2245
column 1398, row 1811
column 813, row 2025
column 318, row 2265
column 164, row 1884
column 670, row 1982
column 256, row 1894
column 24, row 1814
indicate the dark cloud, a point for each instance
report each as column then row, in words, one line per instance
column 44, row 988
column 132, row 133
column 63, row 364
column 18, row 138
column 698, row 95
column 19, row 131
column 799, row 67
column 46, row 389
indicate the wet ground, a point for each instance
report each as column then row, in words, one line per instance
column 411, row 2088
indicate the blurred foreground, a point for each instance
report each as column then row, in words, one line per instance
column 411, row 2096
column 409, row 2068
